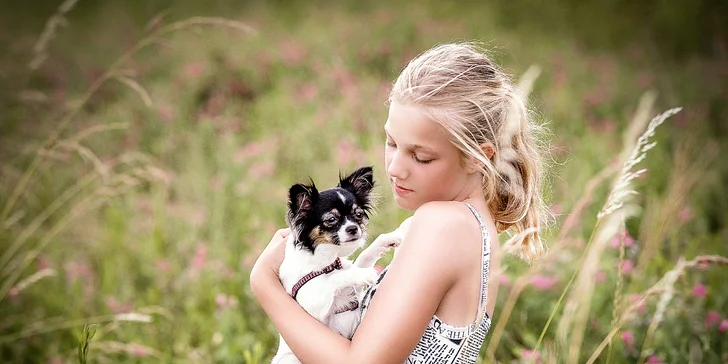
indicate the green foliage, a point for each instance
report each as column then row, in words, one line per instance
column 143, row 215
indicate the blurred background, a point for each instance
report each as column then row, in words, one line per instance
column 146, row 149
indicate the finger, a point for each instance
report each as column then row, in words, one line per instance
column 284, row 232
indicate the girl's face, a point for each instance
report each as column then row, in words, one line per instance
column 421, row 163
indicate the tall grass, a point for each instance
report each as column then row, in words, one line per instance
column 143, row 205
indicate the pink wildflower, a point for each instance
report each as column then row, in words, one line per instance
column 699, row 290
column 617, row 240
column 635, row 298
column 194, row 70
column 117, row 306
column 293, row 52
column 344, row 151
column 654, row 359
column 224, row 301
column 163, row 265
column 542, row 282
column 200, row 258
column 645, row 79
column 308, row 91
column 685, row 214
column 712, row 318
column 531, row 355
column 261, row 169
column 166, row 112
column 600, row 277
column 503, row 280
column 627, row 267
column 139, row 350
column 723, row 326
column 628, row 338
column 251, row 149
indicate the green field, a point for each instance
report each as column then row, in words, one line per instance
column 146, row 151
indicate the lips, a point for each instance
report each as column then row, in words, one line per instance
column 400, row 190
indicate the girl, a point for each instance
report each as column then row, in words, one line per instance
column 460, row 152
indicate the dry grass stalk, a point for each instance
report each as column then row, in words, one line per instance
column 43, row 327
column 33, row 278
column 111, row 72
column 125, row 160
column 40, row 49
column 526, row 85
column 573, row 325
column 692, row 159
column 522, row 282
column 131, row 349
column 117, row 185
column 668, row 279
column 620, row 191
column 617, row 302
column 615, row 201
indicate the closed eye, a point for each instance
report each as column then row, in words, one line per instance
column 421, row 161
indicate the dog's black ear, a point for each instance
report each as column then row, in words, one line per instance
column 360, row 183
column 301, row 198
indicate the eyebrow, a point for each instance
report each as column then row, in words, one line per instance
column 412, row 147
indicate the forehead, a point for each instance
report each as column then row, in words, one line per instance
column 410, row 125
column 336, row 198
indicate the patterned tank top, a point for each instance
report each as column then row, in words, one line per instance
column 443, row 343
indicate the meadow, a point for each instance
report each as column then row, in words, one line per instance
column 146, row 152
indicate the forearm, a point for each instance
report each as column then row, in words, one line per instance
column 304, row 335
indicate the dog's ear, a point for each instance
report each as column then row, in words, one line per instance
column 360, row 183
column 301, row 198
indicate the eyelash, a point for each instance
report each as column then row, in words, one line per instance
column 414, row 156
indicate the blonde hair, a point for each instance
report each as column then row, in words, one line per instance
column 466, row 93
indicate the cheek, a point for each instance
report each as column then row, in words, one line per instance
column 442, row 180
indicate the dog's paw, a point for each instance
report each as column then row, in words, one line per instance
column 388, row 240
column 365, row 276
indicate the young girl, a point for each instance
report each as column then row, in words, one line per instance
column 460, row 152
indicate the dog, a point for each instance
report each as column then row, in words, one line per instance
column 327, row 227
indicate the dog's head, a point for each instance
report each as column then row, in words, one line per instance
column 336, row 217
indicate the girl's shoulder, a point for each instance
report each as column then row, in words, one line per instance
column 445, row 221
column 445, row 212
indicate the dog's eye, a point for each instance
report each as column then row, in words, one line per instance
column 359, row 215
column 331, row 220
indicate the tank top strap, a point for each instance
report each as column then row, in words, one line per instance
column 485, row 261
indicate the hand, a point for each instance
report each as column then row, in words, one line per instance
column 269, row 261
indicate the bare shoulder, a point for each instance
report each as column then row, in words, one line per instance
column 449, row 217
column 437, row 231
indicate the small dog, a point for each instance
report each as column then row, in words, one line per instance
column 327, row 227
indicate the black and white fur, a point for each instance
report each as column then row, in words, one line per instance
column 326, row 225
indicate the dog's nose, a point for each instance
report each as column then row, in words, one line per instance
column 352, row 229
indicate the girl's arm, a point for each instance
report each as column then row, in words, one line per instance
column 425, row 267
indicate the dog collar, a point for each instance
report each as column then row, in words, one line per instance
column 327, row 269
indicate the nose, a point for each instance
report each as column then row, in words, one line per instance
column 396, row 168
column 352, row 229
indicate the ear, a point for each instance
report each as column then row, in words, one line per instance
column 360, row 183
column 488, row 149
column 301, row 198
column 472, row 164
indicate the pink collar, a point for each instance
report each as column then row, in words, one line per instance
column 327, row 269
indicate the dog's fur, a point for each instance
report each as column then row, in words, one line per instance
column 324, row 226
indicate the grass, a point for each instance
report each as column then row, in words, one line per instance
column 143, row 172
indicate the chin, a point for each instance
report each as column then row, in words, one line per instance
column 405, row 203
